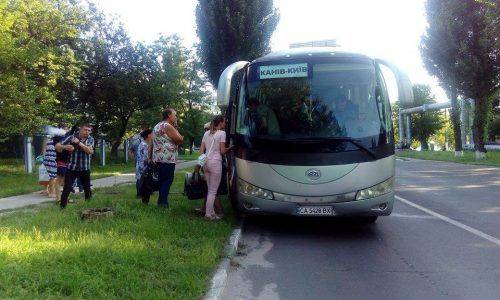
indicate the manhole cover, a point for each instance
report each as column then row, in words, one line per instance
column 97, row 213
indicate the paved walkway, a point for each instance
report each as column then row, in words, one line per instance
column 35, row 198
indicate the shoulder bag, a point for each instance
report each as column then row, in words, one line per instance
column 202, row 159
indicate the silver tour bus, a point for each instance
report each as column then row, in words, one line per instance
column 312, row 132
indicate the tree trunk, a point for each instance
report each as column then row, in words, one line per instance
column 121, row 133
column 481, row 109
column 114, row 148
column 455, row 122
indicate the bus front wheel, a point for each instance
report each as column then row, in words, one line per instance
column 233, row 192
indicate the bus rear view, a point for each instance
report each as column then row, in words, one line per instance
column 313, row 135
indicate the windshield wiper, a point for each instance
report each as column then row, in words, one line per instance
column 355, row 142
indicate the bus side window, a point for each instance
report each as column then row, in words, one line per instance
column 241, row 108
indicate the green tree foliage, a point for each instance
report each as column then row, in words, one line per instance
column 134, row 87
column 439, row 52
column 187, row 87
column 36, row 60
column 233, row 30
column 445, row 135
column 494, row 121
column 494, row 130
column 462, row 49
column 119, row 78
column 395, row 120
column 195, row 103
column 60, row 61
column 424, row 124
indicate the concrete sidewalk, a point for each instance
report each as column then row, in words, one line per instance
column 15, row 202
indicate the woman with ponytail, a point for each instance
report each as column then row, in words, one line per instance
column 214, row 142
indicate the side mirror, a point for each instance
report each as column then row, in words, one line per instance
column 224, row 86
column 405, row 89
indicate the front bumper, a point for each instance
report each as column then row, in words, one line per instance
column 376, row 206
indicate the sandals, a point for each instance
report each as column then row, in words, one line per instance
column 212, row 218
column 69, row 201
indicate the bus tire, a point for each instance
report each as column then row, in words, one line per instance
column 233, row 192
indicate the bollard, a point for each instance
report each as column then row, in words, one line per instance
column 471, row 122
column 125, row 148
column 28, row 154
column 103, row 152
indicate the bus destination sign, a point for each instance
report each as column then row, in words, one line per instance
column 283, row 71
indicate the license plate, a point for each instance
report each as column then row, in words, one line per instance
column 315, row 210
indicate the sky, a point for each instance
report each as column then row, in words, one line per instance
column 387, row 29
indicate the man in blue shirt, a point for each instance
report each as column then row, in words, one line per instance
column 81, row 147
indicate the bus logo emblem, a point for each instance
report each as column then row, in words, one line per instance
column 313, row 174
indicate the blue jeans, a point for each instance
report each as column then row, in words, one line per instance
column 166, row 177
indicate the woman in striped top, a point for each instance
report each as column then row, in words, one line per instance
column 49, row 161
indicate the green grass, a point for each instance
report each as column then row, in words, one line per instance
column 15, row 181
column 492, row 157
column 112, row 169
column 188, row 156
column 143, row 252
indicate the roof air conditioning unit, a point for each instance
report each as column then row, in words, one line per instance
column 320, row 43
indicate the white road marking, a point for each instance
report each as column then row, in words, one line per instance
column 451, row 221
column 412, row 216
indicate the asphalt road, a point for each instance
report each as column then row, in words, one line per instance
column 450, row 251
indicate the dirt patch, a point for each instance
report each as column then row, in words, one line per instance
column 97, row 213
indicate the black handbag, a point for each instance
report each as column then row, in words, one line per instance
column 195, row 186
column 150, row 181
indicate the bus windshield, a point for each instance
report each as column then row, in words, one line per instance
column 306, row 101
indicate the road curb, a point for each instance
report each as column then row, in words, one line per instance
column 219, row 280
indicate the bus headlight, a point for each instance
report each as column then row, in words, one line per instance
column 376, row 190
column 252, row 190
